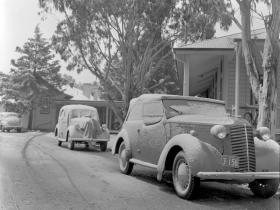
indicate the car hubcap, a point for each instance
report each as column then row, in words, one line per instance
column 183, row 175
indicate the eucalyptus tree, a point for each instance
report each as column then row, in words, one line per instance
column 127, row 44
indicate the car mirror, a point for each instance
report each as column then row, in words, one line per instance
column 152, row 120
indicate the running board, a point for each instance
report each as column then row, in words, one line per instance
column 140, row 162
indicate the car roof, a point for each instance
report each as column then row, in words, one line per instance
column 157, row 97
column 77, row 106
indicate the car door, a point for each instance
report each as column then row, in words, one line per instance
column 62, row 124
column 132, row 125
column 152, row 137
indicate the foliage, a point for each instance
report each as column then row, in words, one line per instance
column 127, row 44
column 36, row 62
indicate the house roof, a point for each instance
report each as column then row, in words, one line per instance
column 77, row 94
column 224, row 42
column 50, row 88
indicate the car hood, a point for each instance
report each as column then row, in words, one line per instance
column 203, row 119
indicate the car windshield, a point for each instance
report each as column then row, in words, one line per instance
column 76, row 113
column 188, row 107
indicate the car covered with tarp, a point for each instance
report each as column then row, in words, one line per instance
column 79, row 124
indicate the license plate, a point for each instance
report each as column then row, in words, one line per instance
column 230, row 161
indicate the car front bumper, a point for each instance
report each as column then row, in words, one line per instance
column 238, row 175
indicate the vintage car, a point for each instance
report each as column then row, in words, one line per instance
column 10, row 121
column 79, row 124
column 196, row 140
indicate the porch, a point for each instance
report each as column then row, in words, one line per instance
column 216, row 69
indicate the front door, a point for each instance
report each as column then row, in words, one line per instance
column 152, row 134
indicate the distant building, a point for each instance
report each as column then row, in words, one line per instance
column 45, row 115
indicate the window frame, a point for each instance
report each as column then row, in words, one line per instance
column 132, row 109
column 154, row 102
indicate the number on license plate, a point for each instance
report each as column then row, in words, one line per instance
column 230, row 161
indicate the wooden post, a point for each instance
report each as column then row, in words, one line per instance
column 237, row 78
column 186, row 85
column 107, row 116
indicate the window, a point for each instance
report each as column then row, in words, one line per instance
column 44, row 105
column 135, row 113
column 153, row 109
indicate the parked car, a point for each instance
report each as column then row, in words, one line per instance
column 79, row 124
column 10, row 121
column 198, row 141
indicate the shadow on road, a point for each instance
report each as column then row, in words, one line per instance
column 211, row 194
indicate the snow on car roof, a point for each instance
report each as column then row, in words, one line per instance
column 78, row 106
column 157, row 97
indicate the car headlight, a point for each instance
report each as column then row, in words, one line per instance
column 219, row 131
column 263, row 133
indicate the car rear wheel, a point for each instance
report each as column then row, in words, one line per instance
column 71, row 144
column 185, row 184
column 264, row 188
column 59, row 143
column 125, row 166
column 103, row 146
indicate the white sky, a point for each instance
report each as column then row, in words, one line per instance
column 18, row 19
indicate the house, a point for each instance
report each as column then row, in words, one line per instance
column 47, row 106
column 215, row 68
column 44, row 111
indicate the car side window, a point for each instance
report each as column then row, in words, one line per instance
column 135, row 113
column 153, row 109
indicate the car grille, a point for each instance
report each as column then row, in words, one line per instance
column 242, row 142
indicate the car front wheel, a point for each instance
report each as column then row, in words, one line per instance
column 264, row 188
column 185, row 184
column 125, row 166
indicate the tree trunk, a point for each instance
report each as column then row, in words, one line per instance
column 265, row 91
column 30, row 118
column 268, row 93
column 250, row 60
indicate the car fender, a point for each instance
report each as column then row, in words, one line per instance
column 73, row 133
column 122, row 136
column 56, row 129
column 267, row 152
column 200, row 155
